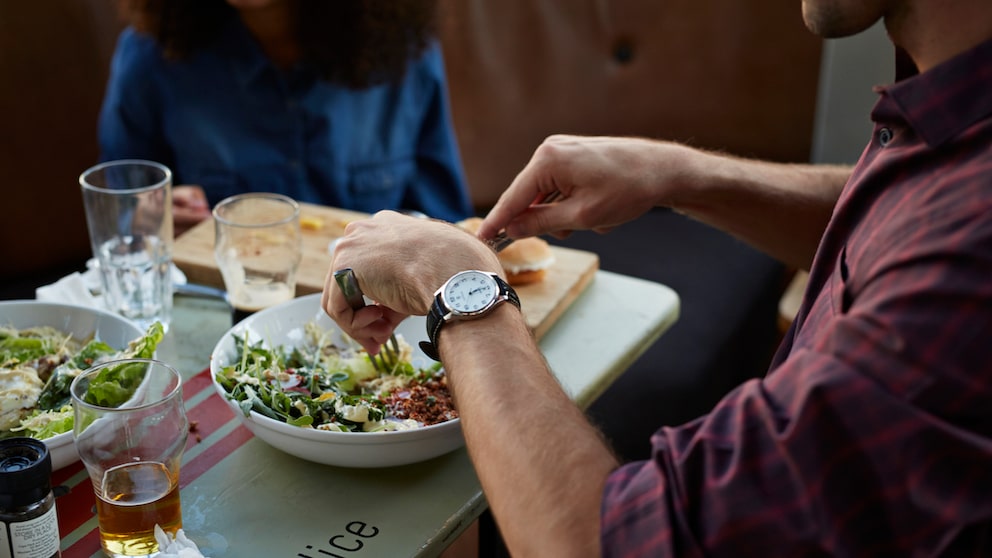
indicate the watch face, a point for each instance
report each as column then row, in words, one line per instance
column 470, row 291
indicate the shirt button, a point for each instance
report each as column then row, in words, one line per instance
column 885, row 136
column 623, row 51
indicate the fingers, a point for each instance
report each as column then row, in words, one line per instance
column 372, row 327
column 365, row 325
column 520, row 210
column 377, row 332
column 190, row 198
column 183, row 221
column 520, row 195
column 369, row 329
column 189, row 208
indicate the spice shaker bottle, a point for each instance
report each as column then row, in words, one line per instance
column 30, row 527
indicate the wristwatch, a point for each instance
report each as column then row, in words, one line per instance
column 468, row 295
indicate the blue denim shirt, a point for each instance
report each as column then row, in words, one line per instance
column 228, row 120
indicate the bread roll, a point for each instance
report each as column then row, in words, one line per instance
column 525, row 261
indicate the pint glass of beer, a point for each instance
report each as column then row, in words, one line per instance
column 130, row 429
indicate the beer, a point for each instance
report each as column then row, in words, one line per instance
column 252, row 297
column 133, row 499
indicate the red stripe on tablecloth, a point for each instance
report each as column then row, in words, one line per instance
column 84, row 547
column 212, row 455
column 209, row 416
column 63, row 475
column 76, row 507
column 206, row 418
column 197, row 383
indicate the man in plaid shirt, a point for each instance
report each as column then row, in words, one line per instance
column 871, row 434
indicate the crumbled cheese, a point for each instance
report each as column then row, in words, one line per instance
column 247, row 379
column 388, row 383
column 353, row 413
column 405, row 424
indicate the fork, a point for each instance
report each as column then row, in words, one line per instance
column 501, row 241
column 389, row 354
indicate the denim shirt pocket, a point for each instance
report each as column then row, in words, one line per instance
column 382, row 185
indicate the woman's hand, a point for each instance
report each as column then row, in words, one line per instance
column 189, row 207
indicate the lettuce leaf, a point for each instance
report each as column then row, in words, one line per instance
column 115, row 384
column 23, row 349
column 144, row 346
column 56, row 394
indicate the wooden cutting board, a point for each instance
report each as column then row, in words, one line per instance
column 542, row 302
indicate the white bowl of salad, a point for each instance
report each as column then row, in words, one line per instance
column 300, row 385
column 43, row 346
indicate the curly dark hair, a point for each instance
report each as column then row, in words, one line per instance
column 354, row 42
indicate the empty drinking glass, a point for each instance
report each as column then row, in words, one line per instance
column 129, row 214
column 258, row 249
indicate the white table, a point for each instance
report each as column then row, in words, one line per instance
column 259, row 501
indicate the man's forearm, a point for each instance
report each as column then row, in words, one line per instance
column 509, row 403
column 781, row 209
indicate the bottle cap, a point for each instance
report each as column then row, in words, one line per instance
column 25, row 472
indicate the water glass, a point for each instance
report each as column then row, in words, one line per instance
column 258, row 249
column 130, row 430
column 129, row 215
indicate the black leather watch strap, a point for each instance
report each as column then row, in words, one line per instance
column 435, row 317
column 511, row 295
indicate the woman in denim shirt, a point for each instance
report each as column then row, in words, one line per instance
column 337, row 103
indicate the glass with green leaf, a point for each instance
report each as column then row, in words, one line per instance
column 130, row 430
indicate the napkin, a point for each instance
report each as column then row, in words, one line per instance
column 84, row 289
column 71, row 289
column 178, row 547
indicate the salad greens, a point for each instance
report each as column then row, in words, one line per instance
column 30, row 344
column 56, row 392
column 319, row 384
column 52, row 412
column 45, row 424
column 116, row 384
